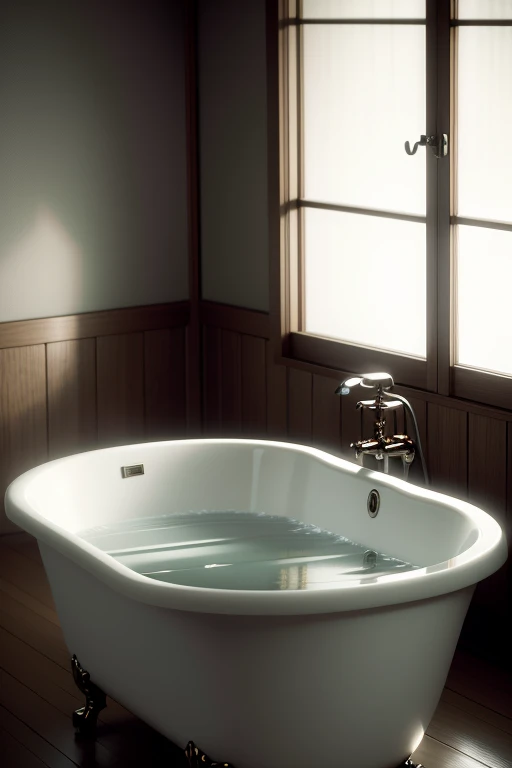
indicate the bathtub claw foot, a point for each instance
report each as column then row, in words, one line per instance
column 84, row 719
column 198, row 759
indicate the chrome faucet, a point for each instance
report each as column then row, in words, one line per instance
column 381, row 446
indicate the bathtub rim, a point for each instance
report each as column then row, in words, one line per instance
column 486, row 555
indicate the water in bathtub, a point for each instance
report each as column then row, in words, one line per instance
column 240, row 550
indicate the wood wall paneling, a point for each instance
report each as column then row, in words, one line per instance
column 120, row 377
column 23, row 415
column 164, row 384
column 254, row 386
column 71, row 372
column 91, row 380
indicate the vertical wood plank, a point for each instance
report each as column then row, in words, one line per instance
column 212, row 381
column 448, row 449
column 326, row 415
column 23, row 428
column 351, row 430
column 300, row 416
column 120, row 383
column 231, row 394
column 419, row 407
column 509, row 483
column 487, row 464
column 164, row 377
column 276, row 396
column 487, row 488
column 254, row 386
column 71, row 370
column 367, row 422
column 508, row 519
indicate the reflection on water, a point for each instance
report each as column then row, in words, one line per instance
column 240, row 550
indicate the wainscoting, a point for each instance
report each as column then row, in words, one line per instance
column 70, row 384
column 468, row 447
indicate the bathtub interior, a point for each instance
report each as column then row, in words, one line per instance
column 88, row 490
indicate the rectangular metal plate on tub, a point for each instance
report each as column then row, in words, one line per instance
column 135, row 469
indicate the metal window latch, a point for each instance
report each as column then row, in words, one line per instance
column 438, row 144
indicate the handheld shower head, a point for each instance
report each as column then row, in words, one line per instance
column 379, row 380
column 345, row 386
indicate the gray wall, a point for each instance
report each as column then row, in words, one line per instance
column 233, row 152
column 93, row 208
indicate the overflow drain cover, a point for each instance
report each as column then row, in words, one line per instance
column 373, row 503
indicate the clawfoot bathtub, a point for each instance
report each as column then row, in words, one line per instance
column 345, row 675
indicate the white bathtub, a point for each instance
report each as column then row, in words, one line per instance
column 346, row 677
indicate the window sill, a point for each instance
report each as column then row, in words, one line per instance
column 328, row 353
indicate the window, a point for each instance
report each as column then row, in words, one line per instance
column 392, row 260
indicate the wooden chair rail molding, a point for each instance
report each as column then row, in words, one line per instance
column 230, row 318
column 21, row 333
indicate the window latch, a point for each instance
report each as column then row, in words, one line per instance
column 438, row 144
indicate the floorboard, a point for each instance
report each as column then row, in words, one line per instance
column 465, row 732
column 482, row 682
column 14, row 753
column 29, row 575
column 483, row 713
column 472, row 726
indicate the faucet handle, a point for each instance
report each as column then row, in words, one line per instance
column 384, row 405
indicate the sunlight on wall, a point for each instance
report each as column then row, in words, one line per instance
column 37, row 265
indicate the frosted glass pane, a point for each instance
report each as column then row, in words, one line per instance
column 483, row 299
column 485, row 9
column 485, row 123
column 355, row 265
column 364, row 96
column 363, row 9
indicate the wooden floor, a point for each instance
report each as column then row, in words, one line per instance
column 472, row 726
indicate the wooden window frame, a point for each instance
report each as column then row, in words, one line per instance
column 438, row 373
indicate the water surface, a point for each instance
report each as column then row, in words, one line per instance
column 240, row 550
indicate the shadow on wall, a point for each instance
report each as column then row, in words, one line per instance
column 92, row 155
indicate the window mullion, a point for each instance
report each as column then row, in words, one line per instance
column 444, row 124
column 432, row 66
